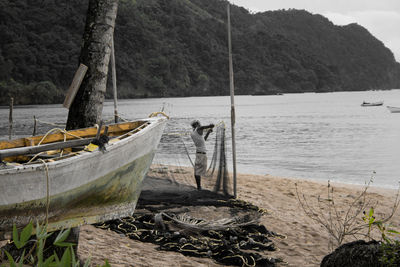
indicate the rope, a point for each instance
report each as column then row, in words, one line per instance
column 155, row 114
column 187, row 152
column 123, row 119
column 119, row 116
column 112, row 120
column 183, row 133
column 47, row 190
column 61, row 131
column 44, row 137
column 50, row 123
column 34, row 157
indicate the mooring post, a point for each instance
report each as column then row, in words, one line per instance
column 10, row 118
column 34, row 125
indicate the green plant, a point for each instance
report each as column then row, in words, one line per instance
column 389, row 247
column 371, row 221
column 37, row 254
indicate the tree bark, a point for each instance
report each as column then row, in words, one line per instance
column 87, row 106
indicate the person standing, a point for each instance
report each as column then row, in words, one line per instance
column 200, row 164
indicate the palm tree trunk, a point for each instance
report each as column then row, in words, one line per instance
column 87, row 107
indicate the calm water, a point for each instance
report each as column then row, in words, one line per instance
column 316, row 136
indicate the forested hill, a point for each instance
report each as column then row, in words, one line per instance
column 179, row 48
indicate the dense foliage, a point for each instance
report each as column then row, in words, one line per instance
column 179, row 48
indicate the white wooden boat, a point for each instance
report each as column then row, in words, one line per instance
column 372, row 104
column 73, row 186
column 393, row 109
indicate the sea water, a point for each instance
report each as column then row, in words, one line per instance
column 325, row 136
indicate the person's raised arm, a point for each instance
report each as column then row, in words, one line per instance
column 206, row 127
column 210, row 130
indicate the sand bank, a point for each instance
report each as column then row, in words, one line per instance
column 306, row 243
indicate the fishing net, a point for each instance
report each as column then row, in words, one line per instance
column 176, row 155
column 233, row 240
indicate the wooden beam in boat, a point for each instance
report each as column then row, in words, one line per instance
column 41, row 148
column 113, row 130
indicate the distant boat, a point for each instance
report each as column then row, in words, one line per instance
column 372, row 104
column 393, row 109
column 55, row 176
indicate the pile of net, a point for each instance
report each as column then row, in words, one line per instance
column 236, row 238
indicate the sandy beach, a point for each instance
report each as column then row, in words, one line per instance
column 306, row 241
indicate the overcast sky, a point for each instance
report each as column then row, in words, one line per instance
column 380, row 17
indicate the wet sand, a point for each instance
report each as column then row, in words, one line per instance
column 306, row 242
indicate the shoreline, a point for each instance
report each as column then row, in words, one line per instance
column 306, row 242
column 333, row 181
column 372, row 186
column 396, row 184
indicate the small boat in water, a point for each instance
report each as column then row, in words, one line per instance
column 393, row 109
column 372, row 104
column 64, row 179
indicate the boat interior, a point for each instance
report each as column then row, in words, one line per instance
column 59, row 144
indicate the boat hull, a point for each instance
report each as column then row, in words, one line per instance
column 88, row 188
column 373, row 104
column 394, row 109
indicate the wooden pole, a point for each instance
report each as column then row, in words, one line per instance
column 99, row 130
column 34, row 126
column 74, row 87
column 10, row 118
column 232, row 91
column 114, row 80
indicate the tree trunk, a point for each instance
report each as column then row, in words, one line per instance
column 87, row 106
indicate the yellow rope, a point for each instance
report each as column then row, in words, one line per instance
column 34, row 157
column 61, row 131
column 155, row 114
